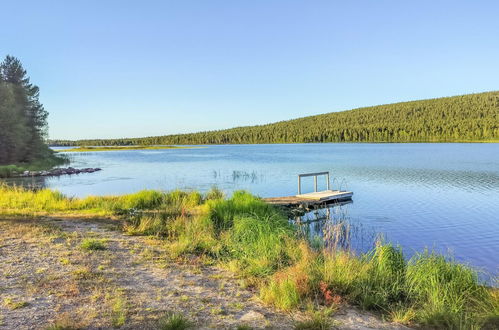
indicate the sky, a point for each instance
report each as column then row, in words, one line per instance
column 110, row 69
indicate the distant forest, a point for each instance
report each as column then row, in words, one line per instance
column 23, row 120
column 473, row 117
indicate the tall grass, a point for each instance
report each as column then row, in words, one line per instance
column 256, row 240
column 18, row 200
column 446, row 293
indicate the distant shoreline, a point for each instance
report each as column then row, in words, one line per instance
column 120, row 148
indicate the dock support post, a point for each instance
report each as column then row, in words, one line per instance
column 327, row 183
column 315, row 183
column 299, row 185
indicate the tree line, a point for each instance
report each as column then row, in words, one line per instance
column 23, row 119
column 472, row 117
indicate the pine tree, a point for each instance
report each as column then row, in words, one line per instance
column 23, row 125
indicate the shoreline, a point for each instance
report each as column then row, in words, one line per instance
column 120, row 148
column 256, row 242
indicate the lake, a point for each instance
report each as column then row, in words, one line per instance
column 440, row 196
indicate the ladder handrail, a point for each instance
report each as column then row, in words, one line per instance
column 315, row 175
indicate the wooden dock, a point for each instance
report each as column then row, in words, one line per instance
column 311, row 199
column 314, row 198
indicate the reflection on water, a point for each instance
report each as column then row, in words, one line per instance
column 441, row 196
column 331, row 227
column 36, row 182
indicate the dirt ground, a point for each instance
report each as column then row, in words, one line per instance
column 47, row 279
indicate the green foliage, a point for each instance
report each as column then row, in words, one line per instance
column 18, row 200
column 145, row 199
column 256, row 241
column 447, row 293
column 222, row 212
column 244, row 327
column 214, row 193
column 385, row 277
column 7, row 171
column 472, row 117
column 174, row 321
column 283, row 294
column 46, row 163
column 118, row 307
column 251, row 233
column 429, row 288
column 91, row 244
column 258, row 244
column 23, row 120
column 12, row 304
column 62, row 326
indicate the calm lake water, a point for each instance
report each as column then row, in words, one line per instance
column 441, row 196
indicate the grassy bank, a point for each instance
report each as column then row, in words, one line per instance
column 7, row 171
column 119, row 148
column 255, row 240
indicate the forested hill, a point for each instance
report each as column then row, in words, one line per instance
column 473, row 117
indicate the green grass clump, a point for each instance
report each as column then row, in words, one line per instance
column 91, row 244
column 447, row 294
column 319, row 320
column 118, row 307
column 215, row 193
column 260, row 245
column 383, row 281
column 12, row 304
column 61, row 326
column 174, row 321
column 244, row 327
column 282, row 293
column 253, row 235
column 6, row 171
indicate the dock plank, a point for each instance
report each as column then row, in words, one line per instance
column 309, row 199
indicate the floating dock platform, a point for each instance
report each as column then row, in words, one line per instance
column 310, row 199
column 314, row 198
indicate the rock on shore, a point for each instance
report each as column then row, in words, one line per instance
column 59, row 171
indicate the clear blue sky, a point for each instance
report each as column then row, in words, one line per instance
column 140, row 68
